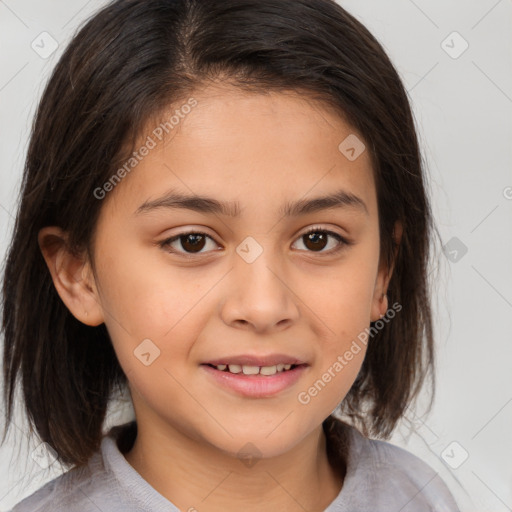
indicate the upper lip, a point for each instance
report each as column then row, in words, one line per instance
column 251, row 360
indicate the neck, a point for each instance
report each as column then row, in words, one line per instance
column 197, row 477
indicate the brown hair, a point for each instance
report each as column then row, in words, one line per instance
column 125, row 66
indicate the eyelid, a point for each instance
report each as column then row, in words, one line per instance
column 343, row 241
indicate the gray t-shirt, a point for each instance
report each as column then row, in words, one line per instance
column 380, row 477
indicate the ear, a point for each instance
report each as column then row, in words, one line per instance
column 72, row 276
column 380, row 299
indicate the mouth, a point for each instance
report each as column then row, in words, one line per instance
column 255, row 377
column 254, row 370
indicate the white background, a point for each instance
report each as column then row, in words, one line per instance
column 463, row 110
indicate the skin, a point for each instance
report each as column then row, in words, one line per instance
column 262, row 150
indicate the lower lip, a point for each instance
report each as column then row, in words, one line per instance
column 256, row 386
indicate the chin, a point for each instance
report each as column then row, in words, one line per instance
column 260, row 442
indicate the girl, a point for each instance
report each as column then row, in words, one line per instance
column 224, row 212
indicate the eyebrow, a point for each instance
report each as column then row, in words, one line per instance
column 202, row 204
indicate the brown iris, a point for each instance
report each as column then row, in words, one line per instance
column 313, row 238
column 196, row 244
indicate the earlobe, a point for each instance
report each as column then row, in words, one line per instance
column 379, row 307
column 71, row 275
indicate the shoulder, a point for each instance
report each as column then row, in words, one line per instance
column 77, row 490
column 107, row 483
column 406, row 469
column 393, row 477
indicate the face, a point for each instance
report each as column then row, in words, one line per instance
column 190, row 294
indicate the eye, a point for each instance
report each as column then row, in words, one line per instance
column 192, row 242
column 316, row 239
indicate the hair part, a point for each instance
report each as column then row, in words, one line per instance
column 123, row 69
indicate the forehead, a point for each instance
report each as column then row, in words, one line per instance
column 249, row 147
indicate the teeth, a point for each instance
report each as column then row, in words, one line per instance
column 254, row 370
column 251, row 370
column 268, row 370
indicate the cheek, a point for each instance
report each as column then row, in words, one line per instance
column 169, row 319
column 343, row 303
column 342, row 298
column 146, row 297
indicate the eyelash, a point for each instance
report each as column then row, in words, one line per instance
column 343, row 242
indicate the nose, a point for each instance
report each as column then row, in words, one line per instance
column 260, row 295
